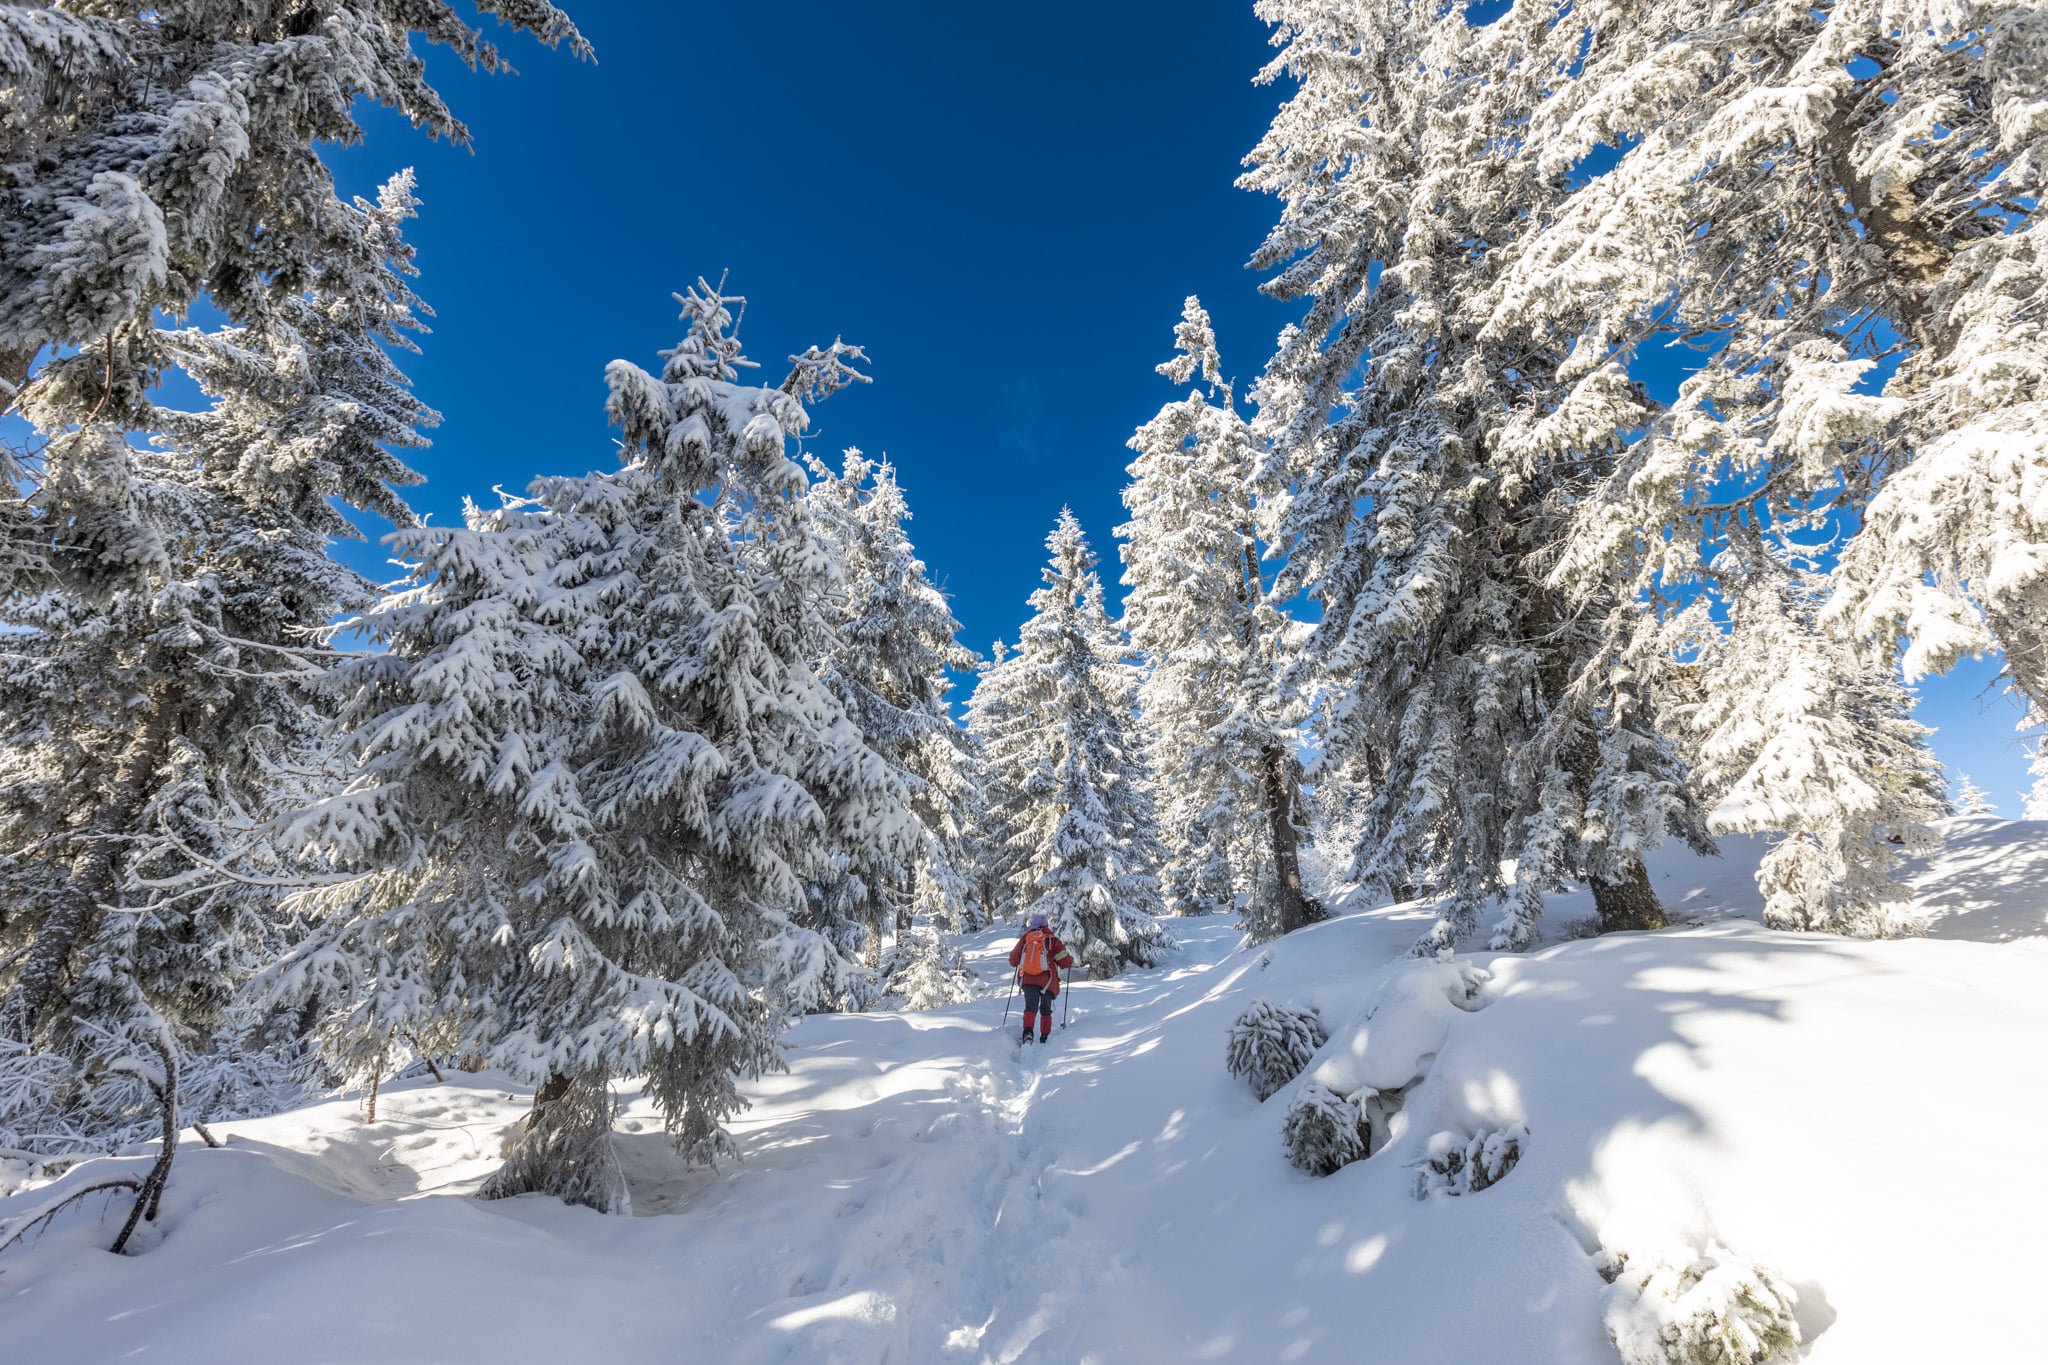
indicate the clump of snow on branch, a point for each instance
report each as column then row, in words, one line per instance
column 1453, row 1164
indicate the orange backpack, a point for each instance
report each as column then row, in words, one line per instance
column 1035, row 955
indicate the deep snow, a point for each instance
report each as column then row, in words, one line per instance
column 1856, row 1115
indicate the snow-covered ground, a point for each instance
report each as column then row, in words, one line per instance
column 1859, row 1116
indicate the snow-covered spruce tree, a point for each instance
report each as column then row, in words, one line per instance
column 1808, row 194
column 1799, row 735
column 2035, row 799
column 1700, row 1307
column 1198, row 879
column 1068, row 780
column 1972, row 802
column 2035, row 806
column 924, row 971
column 891, row 642
column 154, row 703
column 1270, row 1044
column 1499, row 721
column 1214, row 644
column 1002, row 771
column 597, row 772
column 155, row 156
column 1323, row 1131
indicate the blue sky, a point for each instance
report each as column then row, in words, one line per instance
column 1004, row 204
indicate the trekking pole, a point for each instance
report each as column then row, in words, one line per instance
column 1067, row 1009
column 1008, row 998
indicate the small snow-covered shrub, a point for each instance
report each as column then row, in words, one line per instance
column 1455, row 1164
column 1270, row 1044
column 926, row 972
column 1323, row 1131
column 1711, row 1308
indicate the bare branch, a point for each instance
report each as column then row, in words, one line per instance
column 271, row 883
column 12, row 1231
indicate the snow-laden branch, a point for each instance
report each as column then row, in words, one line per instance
column 269, row 883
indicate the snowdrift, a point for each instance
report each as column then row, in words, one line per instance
column 1846, row 1120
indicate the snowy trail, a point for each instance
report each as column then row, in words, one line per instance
column 909, row 1192
column 972, row 1240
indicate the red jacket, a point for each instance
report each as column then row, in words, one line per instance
column 1057, row 957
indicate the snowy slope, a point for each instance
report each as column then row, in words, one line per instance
column 1853, row 1114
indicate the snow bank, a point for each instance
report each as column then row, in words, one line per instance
column 1719, row 1100
column 1393, row 1041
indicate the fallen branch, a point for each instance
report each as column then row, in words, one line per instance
column 12, row 1231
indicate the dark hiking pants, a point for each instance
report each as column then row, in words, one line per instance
column 1038, row 999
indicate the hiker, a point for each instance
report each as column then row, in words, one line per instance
column 1038, row 957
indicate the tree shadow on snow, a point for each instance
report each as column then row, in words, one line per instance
column 1596, row 1045
column 1990, row 882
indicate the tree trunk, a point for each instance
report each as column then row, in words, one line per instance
column 1914, row 255
column 1296, row 908
column 1627, row 904
column 370, row 1090
column 553, row 1088
column 1631, row 902
column 14, row 367
column 149, row 1196
column 567, row 1149
column 91, row 880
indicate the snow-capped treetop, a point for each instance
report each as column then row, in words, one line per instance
column 1195, row 338
column 1971, row 801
